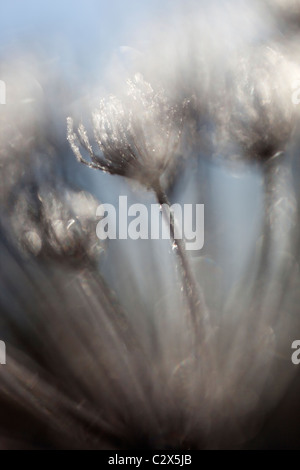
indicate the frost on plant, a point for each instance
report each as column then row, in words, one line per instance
column 137, row 136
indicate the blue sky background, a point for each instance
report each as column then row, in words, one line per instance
column 89, row 30
column 79, row 22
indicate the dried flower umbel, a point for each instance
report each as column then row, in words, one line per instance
column 255, row 116
column 57, row 224
column 138, row 138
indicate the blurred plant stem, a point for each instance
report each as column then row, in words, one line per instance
column 194, row 296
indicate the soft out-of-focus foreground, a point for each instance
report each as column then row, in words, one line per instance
column 137, row 344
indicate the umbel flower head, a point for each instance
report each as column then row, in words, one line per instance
column 137, row 136
column 255, row 116
column 57, row 223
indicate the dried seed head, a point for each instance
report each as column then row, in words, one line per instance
column 137, row 136
column 57, row 225
column 254, row 113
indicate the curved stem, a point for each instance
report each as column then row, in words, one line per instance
column 193, row 295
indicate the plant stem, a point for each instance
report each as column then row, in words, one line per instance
column 279, row 212
column 193, row 295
